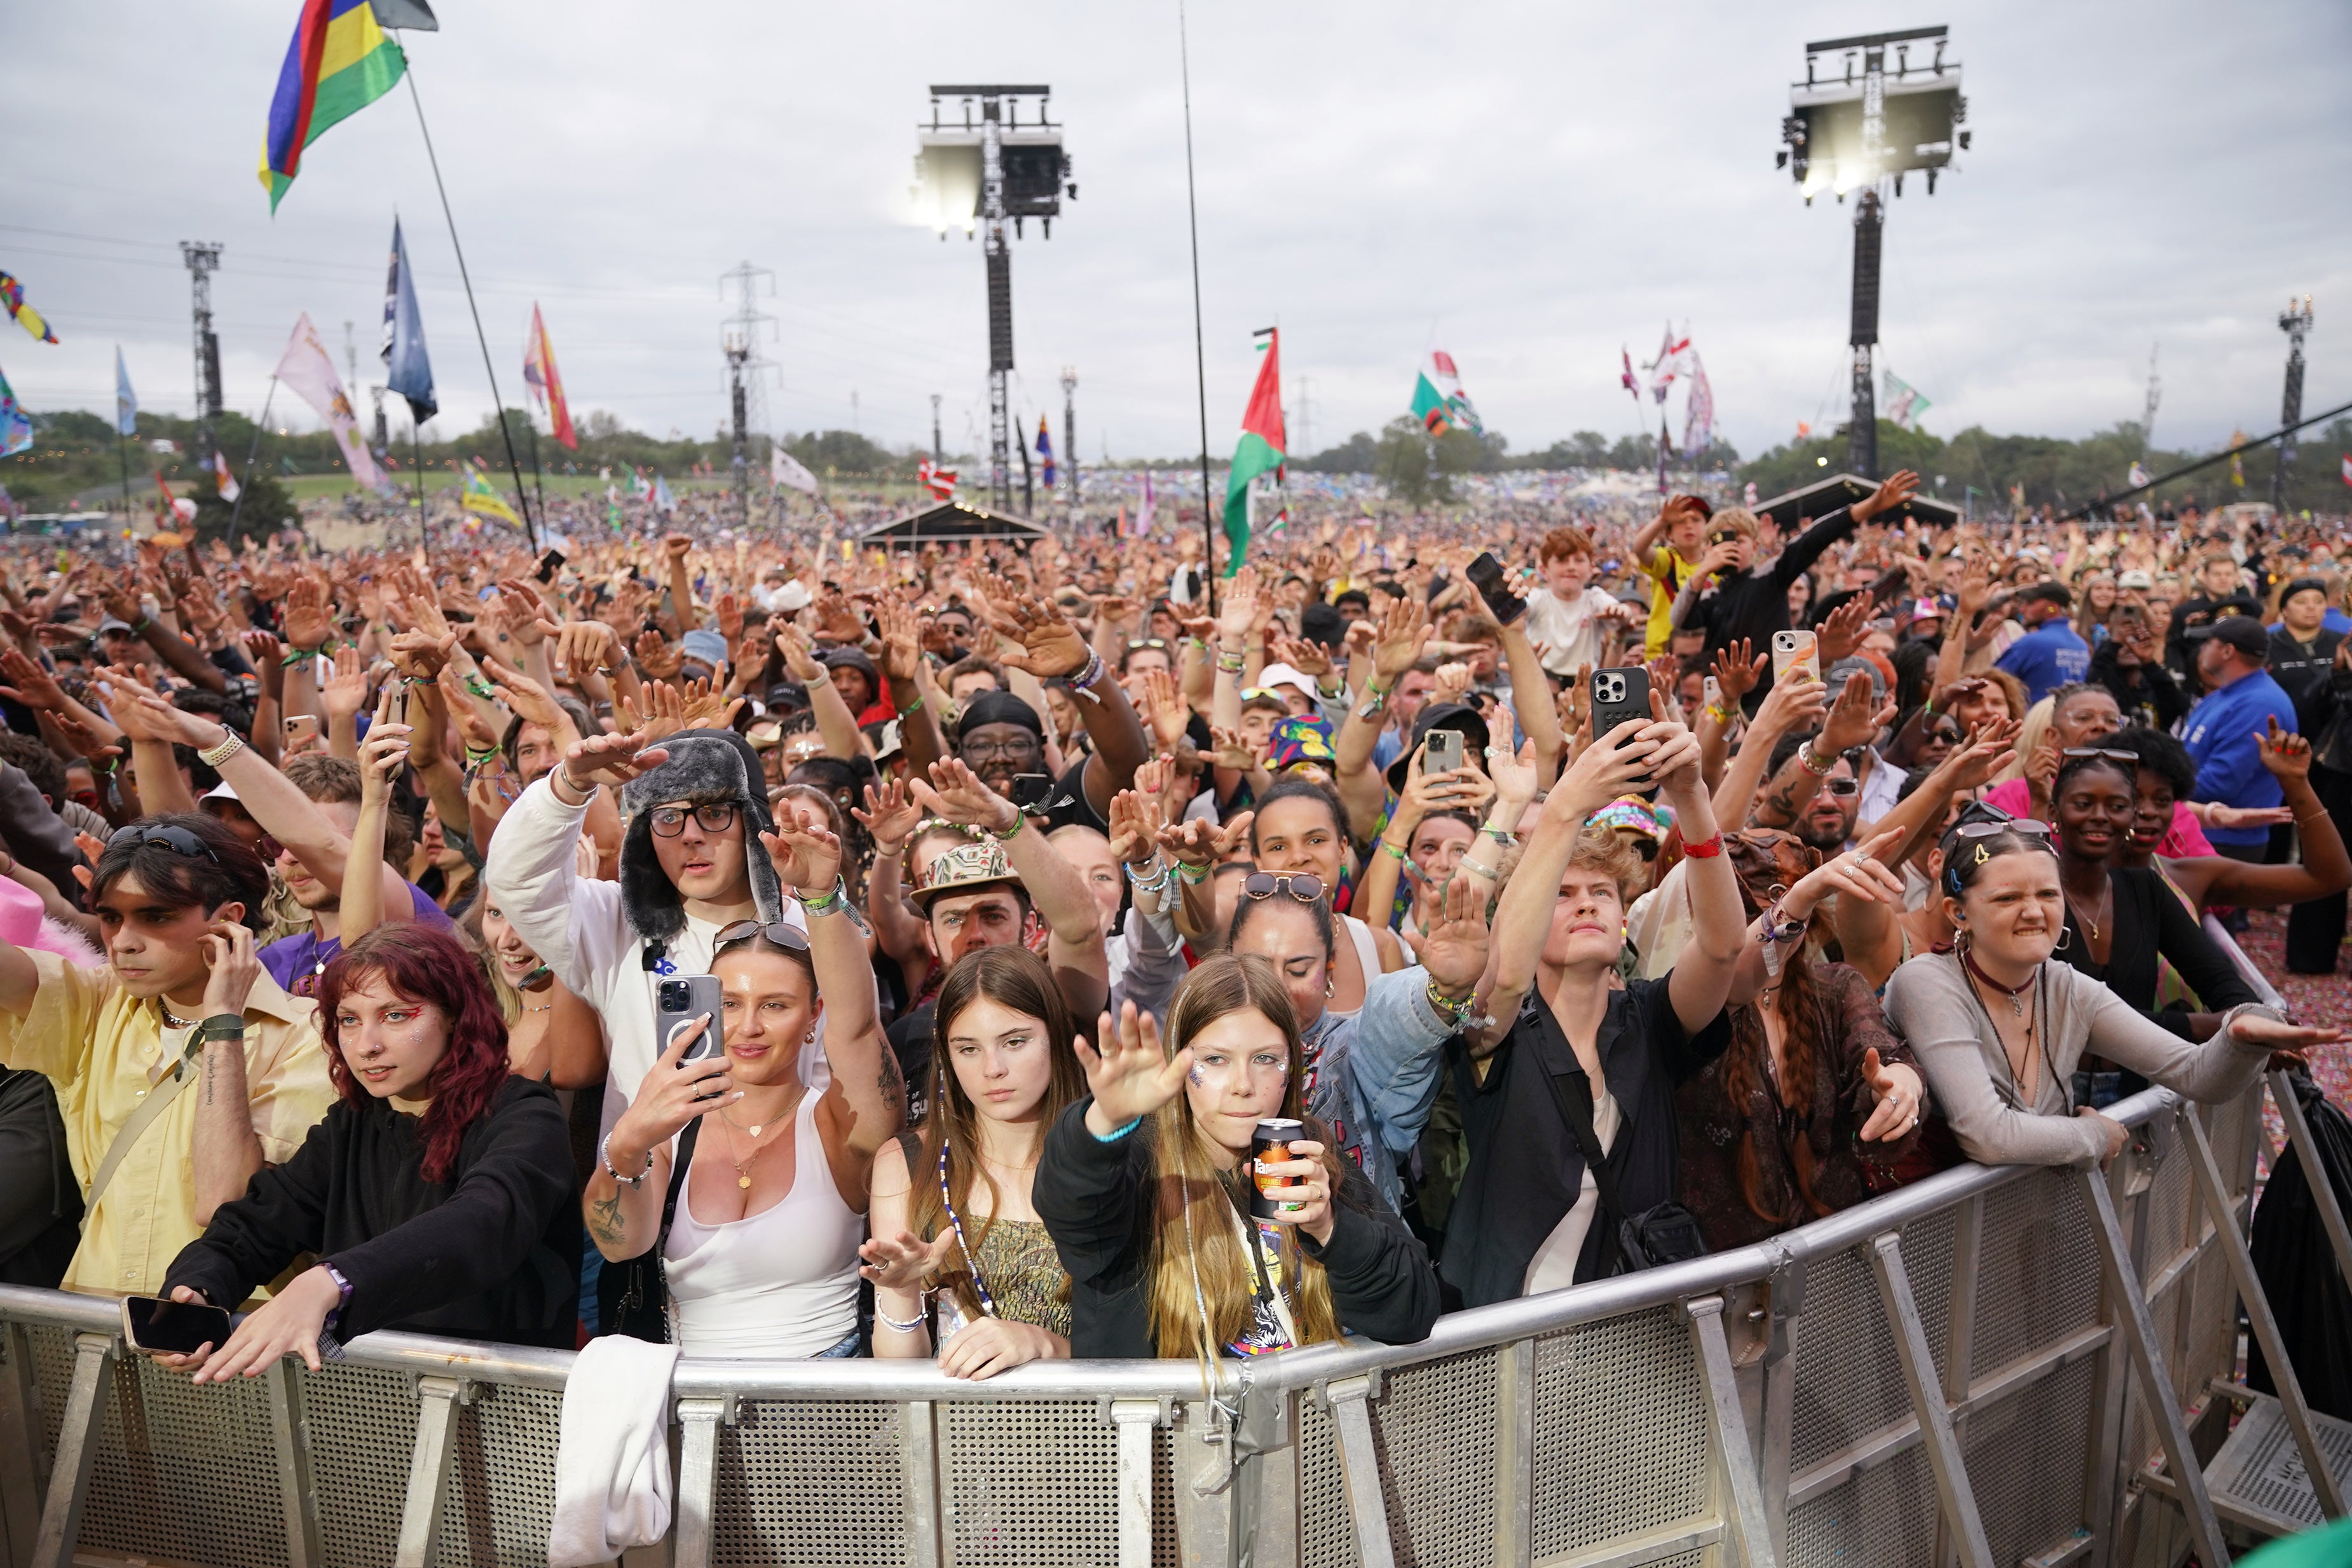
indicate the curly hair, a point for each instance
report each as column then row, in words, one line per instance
column 424, row 965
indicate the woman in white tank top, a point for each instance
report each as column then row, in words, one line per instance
column 761, row 1254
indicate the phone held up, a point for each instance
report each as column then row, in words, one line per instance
column 1795, row 651
column 154, row 1326
column 1619, row 694
column 550, row 564
column 301, row 729
column 681, row 998
column 1444, row 753
column 1487, row 577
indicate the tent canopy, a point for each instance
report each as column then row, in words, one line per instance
column 950, row 520
column 1798, row 507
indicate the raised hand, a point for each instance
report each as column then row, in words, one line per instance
column 905, row 1261
column 1514, row 778
column 1165, row 709
column 587, row 648
column 422, row 654
column 1604, row 769
column 1205, row 845
column 1130, row 1075
column 889, row 817
column 902, row 653
column 1308, row 658
column 1453, row 683
column 1238, row 614
column 1898, row 488
column 613, row 758
column 2285, row 754
column 806, row 854
column 30, row 684
column 1853, row 718
column 1857, row 873
column 800, row 663
column 955, row 793
column 344, row 692
column 307, row 622
column 1840, row 632
column 1985, row 753
column 660, row 658
column 1736, row 674
column 1900, row 1093
column 1048, row 644
column 1453, row 949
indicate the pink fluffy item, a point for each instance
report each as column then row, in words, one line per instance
column 23, row 923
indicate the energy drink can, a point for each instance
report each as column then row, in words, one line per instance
column 1272, row 1141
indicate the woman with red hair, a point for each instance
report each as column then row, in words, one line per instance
column 437, row 1195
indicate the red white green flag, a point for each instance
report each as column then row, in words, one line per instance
column 1263, row 448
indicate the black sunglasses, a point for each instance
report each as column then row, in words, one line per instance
column 790, row 937
column 1304, row 886
column 668, row 822
column 179, row 840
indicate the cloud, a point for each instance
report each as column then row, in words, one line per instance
column 1529, row 186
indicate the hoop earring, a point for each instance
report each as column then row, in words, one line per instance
column 2065, row 936
column 1961, row 941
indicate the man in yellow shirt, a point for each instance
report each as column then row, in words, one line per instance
column 181, row 1010
column 1668, row 566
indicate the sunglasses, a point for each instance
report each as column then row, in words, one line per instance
column 669, row 822
column 2081, row 753
column 2026, row 825
column 179, row 840
column 1948, row 733
column 1160, row 643
column 790, row 937
column 1304, row 886
column 1843, row 786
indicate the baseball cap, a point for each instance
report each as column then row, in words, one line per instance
column 1286, row 676
column 2136, row 580
column 2242, row 632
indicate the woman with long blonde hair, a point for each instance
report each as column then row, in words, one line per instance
column 1145, row 1186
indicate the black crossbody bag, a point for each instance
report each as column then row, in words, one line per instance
column 632, row 1298
column 1666, row 1233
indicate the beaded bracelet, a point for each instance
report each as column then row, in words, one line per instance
column 1116, row 1134
column 915, row 1324
column 1811, row 764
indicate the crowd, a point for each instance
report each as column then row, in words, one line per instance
column 993, row 954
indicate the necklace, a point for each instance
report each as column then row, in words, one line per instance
column 171, row 1019
column 2090, row 924
column 756, row 1128
column 2016, row 1006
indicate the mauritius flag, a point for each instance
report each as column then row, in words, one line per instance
column 1263, row 448
column 338, row 62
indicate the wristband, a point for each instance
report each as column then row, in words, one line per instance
column 831, row 902
column 557, row 779
column 1391, row 848
column 1705, row 849
column 1817, row 768
column 1189, row 875
column 1117, row 1133
column 915, row 706
column 479, row 687
column 915, row 1324
column 1503, row 836
column 144, row 621
column 220, row 1026
column 213, row 756
column 1375, row 694
column 1230, row 664
column 604, row 1158
column 1020, row 820
column 1489, row 872
column 1084, row 680
column 1721, row 715
column 1463, row 1013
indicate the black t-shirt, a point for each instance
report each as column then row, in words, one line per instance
column 1068, row 806
column 910, row 1043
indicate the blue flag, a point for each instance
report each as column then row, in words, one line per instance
column 126, row 401
column 407, row 370
column 16, row 425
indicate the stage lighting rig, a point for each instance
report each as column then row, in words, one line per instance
column 990, row 169
column 1871, row 110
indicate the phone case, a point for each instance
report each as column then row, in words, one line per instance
column 702, row 994
column 1795, row 651
column 1619, row 694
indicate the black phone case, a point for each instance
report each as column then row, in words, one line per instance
column 1635, row 704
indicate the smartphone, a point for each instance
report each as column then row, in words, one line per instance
column 1795, row 651
column 1445, row 751
column 301, row 729
column 153, row 1326
column 1711, row 692
column 1032, row 790
column 550, row 564
column 1485, row 575
column 681, row 998
column 398, row 713
column 1620, row 694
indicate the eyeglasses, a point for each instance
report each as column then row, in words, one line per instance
column 989, row 750
column 179, row 840
column 1305, row 886
column 1160, row 643
column 2082, row 753
column 790, row 937
column 668, row 822
column 1842, row 786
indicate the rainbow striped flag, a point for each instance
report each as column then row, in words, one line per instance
column 338, row 62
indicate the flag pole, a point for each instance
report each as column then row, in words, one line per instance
column 1200, row 352
column 514, row 465
column 417, row 450
column 538, row 486
column 122, row 462
column 252, row 452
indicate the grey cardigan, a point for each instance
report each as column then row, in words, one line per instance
column 1930, row 1003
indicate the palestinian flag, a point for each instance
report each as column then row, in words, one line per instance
column 1263, row 448
column 1438, row 400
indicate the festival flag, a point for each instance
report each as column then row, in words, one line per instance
column 933, row 476
column 2138, row 475
column 1625, row 378
column 176, row 508
column 2347, row 468
column 638, row 488
column 2237, row 463
column 1261, row 450
column 1045, row 450
column 1904, row 403
column 310, row 374
column 664, row 502
column 480, row 497
column 1698, row 414
column 546, row 386
column 786, row 471
column 338, row 63
column 1667, row 365
column 1438, row 400
column 223, row 480
column 12, row 294
column 408, row 370
column 126, row 401
column 16, row 425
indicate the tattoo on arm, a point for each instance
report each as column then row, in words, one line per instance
column 210, row 1061
column 604, row 1219
column 890, row 1083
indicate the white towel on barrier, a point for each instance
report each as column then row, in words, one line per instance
column 611, row 1458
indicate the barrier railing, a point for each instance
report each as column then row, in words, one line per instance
column 1940, row 1374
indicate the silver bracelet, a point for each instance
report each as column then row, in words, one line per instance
column 604, row 1158
column 915, row 1324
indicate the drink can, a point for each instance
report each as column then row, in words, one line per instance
column 1272, row 1141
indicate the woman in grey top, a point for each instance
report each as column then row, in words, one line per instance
column 1998, row 1028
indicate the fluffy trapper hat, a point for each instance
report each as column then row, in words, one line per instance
column 706, row 767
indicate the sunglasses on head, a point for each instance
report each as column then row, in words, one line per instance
column 669, row 822
column 1304, row 886
column 179, row 840
column 2131, row 759
column 1983, row 830
column 790, row 937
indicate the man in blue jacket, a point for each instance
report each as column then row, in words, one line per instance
column 2223, row 731
column 2051, row 655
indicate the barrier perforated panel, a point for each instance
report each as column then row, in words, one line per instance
column 818, row 1483
column 183, row 1472
column 2037, row 1269
column 1849, row 1381
column 1326, row 1536
column 502, row 1483
column 1882, row 1518
column 363, row 1424
column 2026, row 1459
column 1029, row 1485
column 1617, row 1454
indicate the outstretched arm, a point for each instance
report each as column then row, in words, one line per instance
column 808, row 858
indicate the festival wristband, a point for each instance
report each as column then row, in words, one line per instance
column 1392, row 848
column 1020, row 820
column 1705, row 849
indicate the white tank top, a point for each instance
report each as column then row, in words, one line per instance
column 780, row 1284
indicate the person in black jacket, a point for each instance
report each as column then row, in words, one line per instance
column 437, row 1195
column 1144, row 1187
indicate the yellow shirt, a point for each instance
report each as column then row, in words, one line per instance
column 105, row 1051
column 1666, row 572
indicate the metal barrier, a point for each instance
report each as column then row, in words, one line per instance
column 1940, row 1374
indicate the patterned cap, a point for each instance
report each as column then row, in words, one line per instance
column 966, row 868
column 1633, row 814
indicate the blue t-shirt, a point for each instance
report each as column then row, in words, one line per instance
column 2334, row 620
column 2222, row 734
column 2047, row 659
column 295, row 962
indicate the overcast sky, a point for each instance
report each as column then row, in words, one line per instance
column 1529, row 186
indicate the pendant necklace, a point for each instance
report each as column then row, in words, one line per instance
column 743, row 1166
column 2016, row 1006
